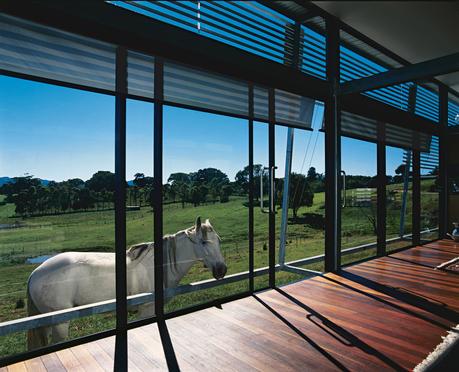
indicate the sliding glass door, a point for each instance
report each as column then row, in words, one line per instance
column 289, row 211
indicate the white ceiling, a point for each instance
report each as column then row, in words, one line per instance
column 415, row 30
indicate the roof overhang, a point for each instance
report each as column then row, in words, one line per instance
column 417, row 31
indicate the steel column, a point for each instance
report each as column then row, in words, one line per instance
column 166, row 342
column 332, row 151
column 121, row 347
column 443, row 163
column 158, row 188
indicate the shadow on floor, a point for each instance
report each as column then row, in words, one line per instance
column 404, row 296
column 302, row 335
column 351, row 339
column 388, row 303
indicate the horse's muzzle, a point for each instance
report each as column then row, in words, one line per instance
column 219, row 270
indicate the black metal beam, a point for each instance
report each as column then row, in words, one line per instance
column 332, row 150
column 365, row 54
column 422, row 70
column 283, row 8
column 443, row 163
column 121, row 345
column 365, row 106
column 381, row 190
column 365, row 39
column 122, row 27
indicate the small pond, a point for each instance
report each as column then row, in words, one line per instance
column 38, row 259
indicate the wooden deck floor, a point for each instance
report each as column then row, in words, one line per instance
column 384, row 314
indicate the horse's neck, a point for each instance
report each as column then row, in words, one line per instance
column 179, row 257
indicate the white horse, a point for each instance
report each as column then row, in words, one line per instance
column 73, row 279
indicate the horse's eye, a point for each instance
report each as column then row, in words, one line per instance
column 204, row 242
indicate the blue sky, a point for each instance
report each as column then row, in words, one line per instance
column 59, row 133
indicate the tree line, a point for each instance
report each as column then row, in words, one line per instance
column 209, row 185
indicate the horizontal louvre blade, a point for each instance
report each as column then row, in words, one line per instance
column 201, row 89
column 361, row 127
column 293, row 109
column 260, row 103
column 140, row 74
column 358, row 126
column 33, row 49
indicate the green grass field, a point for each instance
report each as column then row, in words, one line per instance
column 94, row 231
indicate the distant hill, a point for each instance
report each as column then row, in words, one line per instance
column 4, row 180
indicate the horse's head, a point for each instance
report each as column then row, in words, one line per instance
column 207, row 247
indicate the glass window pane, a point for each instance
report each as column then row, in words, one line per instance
column 139, row 209
column 205, row 204
column 359, row 200
column 399, row 198
column 57, row 232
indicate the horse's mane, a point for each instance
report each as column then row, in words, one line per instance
column 135, row 251
column 170, row 248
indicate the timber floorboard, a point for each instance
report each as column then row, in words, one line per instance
column 383, row 314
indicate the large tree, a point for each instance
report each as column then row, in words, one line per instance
column 178, row 177
column 102, row 180
column 300, row 193
column 206, row 175
column 139, row 180
column 242, row 180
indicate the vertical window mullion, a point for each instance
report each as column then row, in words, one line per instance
column 251, row 192
column 272, row 217
column 332, row 151
column 158, row 188
column 121, row 348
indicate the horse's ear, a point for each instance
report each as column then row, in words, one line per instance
column 135, row 251
column 198, row 224
column 207, row 222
